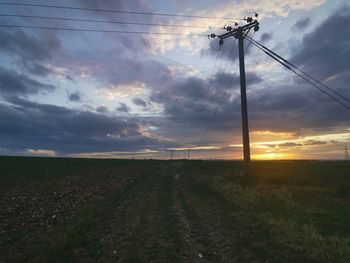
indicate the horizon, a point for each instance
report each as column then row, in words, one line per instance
column 168, row 159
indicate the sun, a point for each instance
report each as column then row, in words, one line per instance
column 271, row 156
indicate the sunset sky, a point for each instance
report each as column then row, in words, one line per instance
column 99, row 94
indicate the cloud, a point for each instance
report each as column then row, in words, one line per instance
column 192, row 101
column 266, row 37
column 34, row 68
column 234, row 9
column 130, row 44
column 139, row 102
column 324, row 52
column 129, row 5
column 30, row 47
column 101, row 109
column 313, row 142
column 30, row 125
column 75, row 96
column 302, row 24
column 211, row 104
column 15, row 84
column 289, row 144
column 303, row 106
column 40, row 152
column 123, row 108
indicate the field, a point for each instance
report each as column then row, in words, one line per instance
column 81, row 210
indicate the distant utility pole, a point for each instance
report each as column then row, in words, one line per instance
column 240, row 32
column 188, row 154
column 347, row 158
column 171, row 154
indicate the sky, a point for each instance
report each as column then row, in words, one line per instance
column 117, row 95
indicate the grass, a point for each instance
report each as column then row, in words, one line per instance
column 303, row 205
column 79, row 210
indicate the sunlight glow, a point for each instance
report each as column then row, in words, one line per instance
column 272, row 156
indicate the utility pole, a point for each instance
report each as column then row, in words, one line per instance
column 347, row 157
column 171, row 154
column 239, row 32
column 188, row 154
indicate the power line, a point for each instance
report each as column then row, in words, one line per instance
column 305, row 73
column 207, row 90
column 114, row 11
column 297, row 73
column 209, row 114
column 100, row 21
column 100, row 30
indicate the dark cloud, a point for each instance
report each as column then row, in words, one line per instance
column 193, row 101
column 266, row 37
column 129, row 43
column 123, row 108
column 308, row 143
column 30, row 47
column 139, row 102
column 294, row 107
column 325, row 52
column 315, row 143
column 30, row 125
column 75, row 96
column 290, row 144
column 101, row 109
column 36, row 69
column 116, row 72
column 13, row 83
column 301, row 24
column 124, row 5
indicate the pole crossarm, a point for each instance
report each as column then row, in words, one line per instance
column 236, row 32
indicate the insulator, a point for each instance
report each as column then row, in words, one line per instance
column 249, row 19
column 256, row 28
column 256, row 15
column 212, row 35
column 221, row 42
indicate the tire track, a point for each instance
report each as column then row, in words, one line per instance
column 143, row 226
column 192, row 249
column 228, row 233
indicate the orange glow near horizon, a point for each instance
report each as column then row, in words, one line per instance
column 272, row 156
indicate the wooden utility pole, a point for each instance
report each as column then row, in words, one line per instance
column 244, row 104
column 239, row 32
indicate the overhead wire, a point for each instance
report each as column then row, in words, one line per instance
column 100, row 30
column 247, row 46
column 266, row 51
column 113, row 11
column 209, row 114
column 207, row 90
column 302, row 71
column 100, row 21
